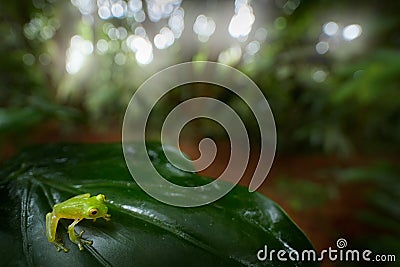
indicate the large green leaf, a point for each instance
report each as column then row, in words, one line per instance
column 142, row 231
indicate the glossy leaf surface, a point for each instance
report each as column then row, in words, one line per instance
column 142, row 231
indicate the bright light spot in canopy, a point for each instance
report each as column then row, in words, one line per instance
column 104, row 12
column 319, row 76
column 28, row 59
column 253, row 47
column 261, row 34
column 135, row 5
column 102, row 46
column 117, row 33
column 352, row 32
column 117, row 9
column 160, row 42
column 113, row 8
column 291, row 6
column 160, row 9
column 140, row 31
column 81, row 45
column 142, row 47
column 140, row 16
column 164, row 39
column 77, row 53
column 330, row 28
column 47, row 32
column 40, row 27
column 86, row 7
column 242, row 21
column 176, row 22
column 322, row 47
column 120, row 58
column 230, row 56
column 144, row 56
column 204, row 27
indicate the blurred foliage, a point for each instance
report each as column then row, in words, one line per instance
column 342, row 101
column 338, row 102
column 357, row 106
column 304, row 194
column 26, row 93
column 382, row 213
column 372, row 193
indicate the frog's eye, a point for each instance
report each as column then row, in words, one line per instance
column 93, row 212
column 104, row 198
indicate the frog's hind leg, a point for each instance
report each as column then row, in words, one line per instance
column 51, row 228
column 77, row 239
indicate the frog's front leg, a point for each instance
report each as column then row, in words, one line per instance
column 77, row 239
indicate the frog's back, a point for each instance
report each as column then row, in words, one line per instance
column 73, row 207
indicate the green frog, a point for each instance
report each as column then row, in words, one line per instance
column 76, row 208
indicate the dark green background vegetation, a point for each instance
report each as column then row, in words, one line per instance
column 344, row 103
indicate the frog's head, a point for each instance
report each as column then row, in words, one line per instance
column 97, row 208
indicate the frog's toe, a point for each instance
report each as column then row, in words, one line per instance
column 86, row 242
column 80, row 246
column 81, row 241
column 60, row 246
column 80, row 234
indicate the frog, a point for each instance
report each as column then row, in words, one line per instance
column 76, row 208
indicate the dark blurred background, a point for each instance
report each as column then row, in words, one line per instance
column 329, row 69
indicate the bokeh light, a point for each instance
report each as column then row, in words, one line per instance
column 45, row 59
column 290, row 6
column 319, row 76
column 242, row 22
column 124, row 21
column 120, row 58
column 280, row 23
column 104, row 12
column 135, row 5
column 77, row 52
column 331, row 28
column 28, row 59
column 41, row 28
column 230, row 56
column 176, row 22
column 118, row 9
column 164, row 39
column 322, row 47
column 102, row 46
column 351, row 32
column 140, row 16
column 142, row 48
column 140, row 31
column 160, row 9
column 253, row 47
column 261, row 34
column 86, row 7
column 204, row 27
